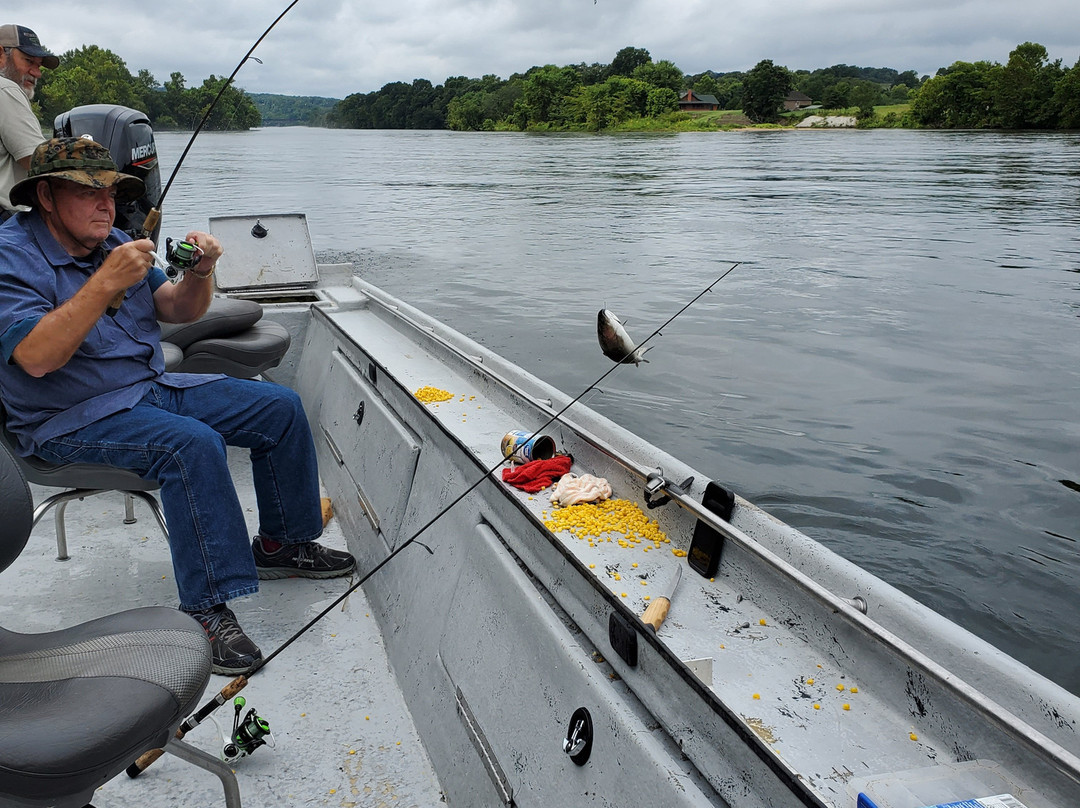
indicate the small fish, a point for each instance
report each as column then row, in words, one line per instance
column 615, row 342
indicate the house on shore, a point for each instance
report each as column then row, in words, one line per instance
column 693, row 102
column 796, row 100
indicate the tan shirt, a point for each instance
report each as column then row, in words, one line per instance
column 20, row 133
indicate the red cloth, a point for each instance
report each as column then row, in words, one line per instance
column 537, row 474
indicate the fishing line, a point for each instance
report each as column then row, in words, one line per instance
column 154, row 216
column 240, row 682
column 225, row 85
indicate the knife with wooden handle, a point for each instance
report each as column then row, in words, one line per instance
column 658, row 610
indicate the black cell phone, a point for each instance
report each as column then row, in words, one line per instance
column 704, row 554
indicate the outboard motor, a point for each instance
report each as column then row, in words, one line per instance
column 128, row 136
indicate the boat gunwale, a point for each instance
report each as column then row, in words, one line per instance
column 990, row 710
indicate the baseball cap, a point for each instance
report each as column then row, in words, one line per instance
column 21, row 37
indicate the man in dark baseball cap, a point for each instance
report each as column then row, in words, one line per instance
column 21, row 60
column 21, row 37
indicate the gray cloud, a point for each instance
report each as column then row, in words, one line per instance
column 336, row 47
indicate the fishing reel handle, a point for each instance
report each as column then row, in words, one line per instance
column 231, row 689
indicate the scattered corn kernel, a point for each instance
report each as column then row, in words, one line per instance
column 333, row 791
column 817, row 706
column 854, row 690
column 431, row 395
column 647, row 597
column 399, row 743
column 763, row 622
column 623, row 595
column 913, row 736
column 847, row 706
column 634, row 565
column 757, row 696
column 644, row 583
column 840, row 688
column 592, row 566
column 352, row 751
column 809, row 681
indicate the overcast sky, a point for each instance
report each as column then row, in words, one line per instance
column 336, row 47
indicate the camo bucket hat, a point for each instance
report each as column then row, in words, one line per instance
column 77, row 159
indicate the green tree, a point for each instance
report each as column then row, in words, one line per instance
column 234, row 110
column 706, row 85
column 864, row 96
column 89, row 75
column 627, row 60
column 909, row 78
column 837, row 96
column 1067, row 98
column 1023, row 90
column 764, row 90
column 542, row 94
column 466, row 113
column 730, row 92
column 661, row 74
column 958, row 97
column 661, row 101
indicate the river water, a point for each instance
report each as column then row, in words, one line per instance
column 894, row 367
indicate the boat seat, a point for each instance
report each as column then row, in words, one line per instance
column 231, row 338
column 80, row 480
column 78, row 705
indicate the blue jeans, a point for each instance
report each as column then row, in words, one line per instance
column 178, row 437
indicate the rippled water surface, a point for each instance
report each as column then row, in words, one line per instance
column 894, row 368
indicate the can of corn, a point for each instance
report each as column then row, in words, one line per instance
column 522, row 447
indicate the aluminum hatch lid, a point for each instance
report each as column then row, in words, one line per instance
column 272, row 251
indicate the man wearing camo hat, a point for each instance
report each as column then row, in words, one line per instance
column 21, row 60
column 82, row 378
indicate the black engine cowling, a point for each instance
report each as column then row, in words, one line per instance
column 128, row 136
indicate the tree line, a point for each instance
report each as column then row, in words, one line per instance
column 93, row 75
column 596, row 96
column 1028, row 92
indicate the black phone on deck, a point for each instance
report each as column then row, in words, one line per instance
column 704, row 554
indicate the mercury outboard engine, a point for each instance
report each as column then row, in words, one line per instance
column 128, row 136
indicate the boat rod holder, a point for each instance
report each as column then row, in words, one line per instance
column 656, row 482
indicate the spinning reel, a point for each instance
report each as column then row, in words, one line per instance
column 247, row 734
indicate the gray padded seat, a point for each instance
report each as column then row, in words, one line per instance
column 78, row 705
column 80, row 480
column 230, row 338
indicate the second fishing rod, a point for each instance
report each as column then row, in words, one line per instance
column 240, row 682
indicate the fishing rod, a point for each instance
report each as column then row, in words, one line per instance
column 153, row 217
column 240, row 682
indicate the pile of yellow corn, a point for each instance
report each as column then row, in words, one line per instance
column 604, row 521
column 431, row 395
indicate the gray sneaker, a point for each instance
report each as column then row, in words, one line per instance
column 306, row 560
column 232, row 651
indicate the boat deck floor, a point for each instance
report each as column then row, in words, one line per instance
column 343, row 733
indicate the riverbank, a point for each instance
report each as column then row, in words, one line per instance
column 892, row 116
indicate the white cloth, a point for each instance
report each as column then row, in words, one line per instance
column 572, row 490
column 20, row 134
